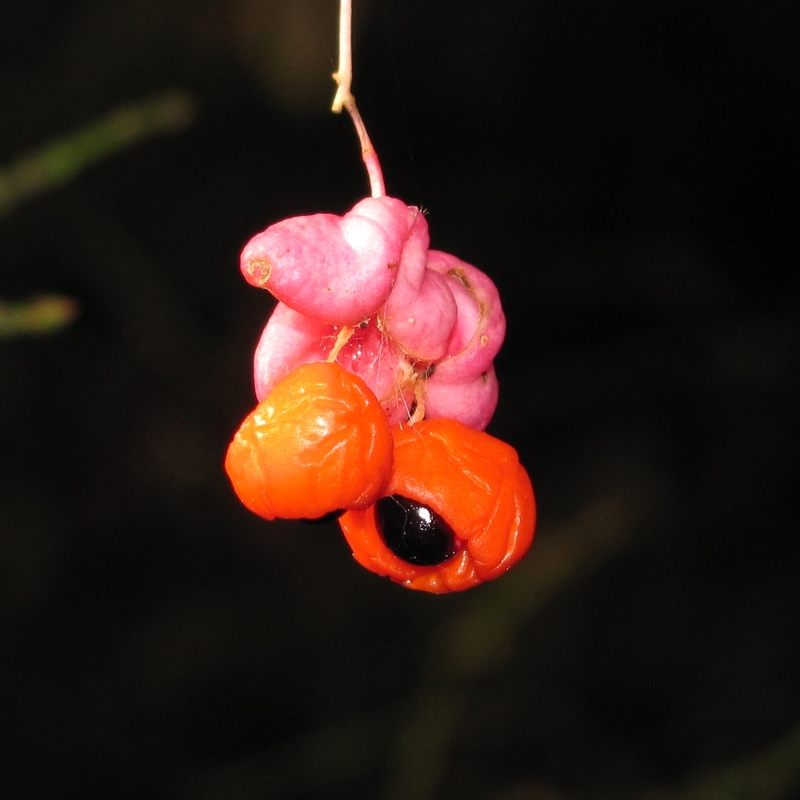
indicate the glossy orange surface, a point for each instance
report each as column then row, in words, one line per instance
column 475, row 482
column 319, row 442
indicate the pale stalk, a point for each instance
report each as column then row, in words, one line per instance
column 342, row 338
column 344, row 98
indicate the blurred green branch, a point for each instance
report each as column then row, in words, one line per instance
column 60, row 161
column 39, row 315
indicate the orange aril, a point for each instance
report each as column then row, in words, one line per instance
column 471, row 480
column 318, row 443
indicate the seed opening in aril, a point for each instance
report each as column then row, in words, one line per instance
column 414, row 532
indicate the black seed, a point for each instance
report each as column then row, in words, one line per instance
column 414, row 532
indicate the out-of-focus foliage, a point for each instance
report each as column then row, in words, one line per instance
column 39, row 315
column 62, row 161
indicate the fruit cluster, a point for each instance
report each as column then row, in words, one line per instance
column 418, row 315
column 375, row 381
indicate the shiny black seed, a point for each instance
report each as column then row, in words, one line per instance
column 414, row 532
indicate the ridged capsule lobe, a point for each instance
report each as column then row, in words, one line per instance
column 335, row 269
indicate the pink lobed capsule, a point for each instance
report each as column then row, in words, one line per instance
column 425, row 324
column 338, row 270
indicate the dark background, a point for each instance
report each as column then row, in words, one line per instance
column 627, row 173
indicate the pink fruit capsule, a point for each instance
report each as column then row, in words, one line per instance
column 338, row 270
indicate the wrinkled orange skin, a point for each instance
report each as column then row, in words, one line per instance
column 319, row 442
column 475, row 482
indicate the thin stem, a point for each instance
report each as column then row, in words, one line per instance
column 419, row 396
column 344, row 76
column 342, row 338
column 344, row 99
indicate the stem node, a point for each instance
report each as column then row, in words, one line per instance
column 344, row 99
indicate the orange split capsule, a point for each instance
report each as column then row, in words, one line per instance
column 319, row 442
column 458, row 510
